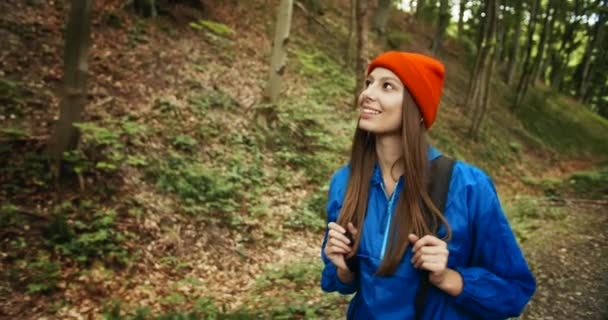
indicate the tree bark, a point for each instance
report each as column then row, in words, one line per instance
column 473, row 89
column 567, row 46
column 487, row 65
column 352, row 23
column 516, row 43
column 382, row 15
column 78, row 40
column 593, row 43
column 443, row 21
column 146, row 8
column 461, row 8
column 521, row 86
column 278, row 62
column 528, row 73
column 361, row 53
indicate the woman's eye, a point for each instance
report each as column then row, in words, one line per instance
column 387, row 85
column 367, row 83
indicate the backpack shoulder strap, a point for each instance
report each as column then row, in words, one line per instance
column 440, row 177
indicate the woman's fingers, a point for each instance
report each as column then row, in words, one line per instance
column 427, row 240
column 425, row 261
column 351, row 228
column 333, row 234
column 338, row 243
column 337, row 227
column 429, row 253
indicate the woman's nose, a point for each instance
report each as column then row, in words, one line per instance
column 367, row 94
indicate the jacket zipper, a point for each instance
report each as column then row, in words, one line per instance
column 389, row 214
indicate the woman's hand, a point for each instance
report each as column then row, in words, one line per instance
column 431, row 253
column 338, row 244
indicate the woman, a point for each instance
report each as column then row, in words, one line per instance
column 388, row 242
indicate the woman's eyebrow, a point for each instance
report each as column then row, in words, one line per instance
column 389, row 78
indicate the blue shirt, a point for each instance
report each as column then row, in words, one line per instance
column 497, row 281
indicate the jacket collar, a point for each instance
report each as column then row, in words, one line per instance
column 432, row 154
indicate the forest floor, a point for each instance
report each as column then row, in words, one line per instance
column 569, row 262
column 262, row 258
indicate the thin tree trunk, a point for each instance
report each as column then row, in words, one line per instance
column 382, row 15
column 480, row 57
column 352, row 25
column 528, row 74
column 278, row 62
column 78, row 39
column 525, row 74
column 361, row 53
column 443, row 21
column 491, row 44
column 461, row 8
column 595, row 40
column 516, row 43
column 146, row 8
column 562, row 56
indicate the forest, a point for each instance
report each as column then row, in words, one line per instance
column 171, row 159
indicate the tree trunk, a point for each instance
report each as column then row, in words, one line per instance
column 475, row 74
column 352, row 25
column 443, row 21
column 490, row 44
column 78, row 40
column 278, row 62
column 528, row 73
column 527, row 59
column 146, row 8
column 461, row 8
column 516, row 43
column 423, row 10
column 562, row 56
column 361, row 54
column 593, row 43
column 382, row 15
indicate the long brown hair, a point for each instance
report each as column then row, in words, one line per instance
column 414, row 199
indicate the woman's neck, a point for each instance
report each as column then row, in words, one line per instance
column 389, row 148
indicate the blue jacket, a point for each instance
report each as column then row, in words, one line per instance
column 483, row 249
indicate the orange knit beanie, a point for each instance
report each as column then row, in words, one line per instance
column 421, row 75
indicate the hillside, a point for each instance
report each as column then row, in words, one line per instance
column 183, row 202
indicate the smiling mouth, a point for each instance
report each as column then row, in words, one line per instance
column 370, row 111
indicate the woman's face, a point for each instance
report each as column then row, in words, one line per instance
column 381, row 103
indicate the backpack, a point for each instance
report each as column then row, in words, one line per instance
column 441, row 175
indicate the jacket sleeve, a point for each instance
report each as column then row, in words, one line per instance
column 329, row 278
column 497, row 281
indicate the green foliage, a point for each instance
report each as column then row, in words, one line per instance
column 42, row 274
column 212, row 100
column 10, row 95
column 301, row 301
column 25, row 173
column 589, row 184
column 529, row 213
column 13, row 133
column 564, row 125
column 184, row 142
column 312, row 213
column 104, row 148
column 398, row 40
column 89, row 236
column 215, row 27
column 137, row 34
column 202, row 189
column 329, row 81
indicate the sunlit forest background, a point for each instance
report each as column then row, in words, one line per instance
column 170, row 159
